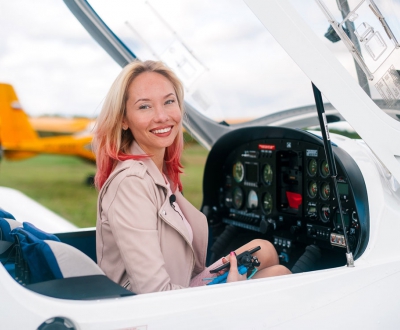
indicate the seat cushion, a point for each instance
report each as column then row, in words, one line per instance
column 6, row 226
column 48, row 260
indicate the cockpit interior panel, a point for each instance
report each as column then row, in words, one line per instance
column 274, row 183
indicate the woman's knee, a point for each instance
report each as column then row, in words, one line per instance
column 267, row 255
column 277, row 270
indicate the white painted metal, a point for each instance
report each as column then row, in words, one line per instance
column 26, row 209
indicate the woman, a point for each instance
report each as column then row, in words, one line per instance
column 149, row 237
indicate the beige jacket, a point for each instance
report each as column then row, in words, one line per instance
column 141, row 241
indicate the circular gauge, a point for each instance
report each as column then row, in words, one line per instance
column 267, row 174
column 312, row 167
column 238, row 171
column 267, row 203
column 324, row 169
column 237, row 197
column 325, row 213
column 252, row 200
column 325, row 190
column 312, row 189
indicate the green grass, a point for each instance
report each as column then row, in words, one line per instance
column 59, row 182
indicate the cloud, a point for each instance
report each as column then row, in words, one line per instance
column 54, row 65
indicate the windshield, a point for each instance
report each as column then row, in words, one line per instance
column 231, row 67
column 364, row 36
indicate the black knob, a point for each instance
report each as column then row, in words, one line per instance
column 266, row 226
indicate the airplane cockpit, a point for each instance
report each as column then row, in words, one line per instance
column 267, row 178
column 265, row 82
column 274, row 183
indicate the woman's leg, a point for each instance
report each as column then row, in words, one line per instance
column 268, row 258
column 276, row 270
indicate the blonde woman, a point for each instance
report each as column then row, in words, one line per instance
column 149, row 237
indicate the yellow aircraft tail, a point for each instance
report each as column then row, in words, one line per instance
column 15, row 127
column 19, row 140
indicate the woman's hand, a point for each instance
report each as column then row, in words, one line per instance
column 234, row 275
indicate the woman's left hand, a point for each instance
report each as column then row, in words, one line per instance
column 234, row 275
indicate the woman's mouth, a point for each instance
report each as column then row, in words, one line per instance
column 161, row 130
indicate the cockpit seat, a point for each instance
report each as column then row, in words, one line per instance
column 45, row 265
column 48, row 258
column 7, row 224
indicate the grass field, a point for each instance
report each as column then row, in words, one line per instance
column 59, row 182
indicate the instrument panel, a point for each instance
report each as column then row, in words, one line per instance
column 277, row 183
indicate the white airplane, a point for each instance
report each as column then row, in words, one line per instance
column 266, row 178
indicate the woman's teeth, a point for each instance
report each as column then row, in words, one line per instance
column 163, row 130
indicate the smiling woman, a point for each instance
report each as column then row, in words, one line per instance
column 149, row 238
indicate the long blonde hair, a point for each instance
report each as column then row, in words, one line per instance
column 111, row 143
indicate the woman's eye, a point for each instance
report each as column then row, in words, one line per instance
column 169, row 101
column 144, row 106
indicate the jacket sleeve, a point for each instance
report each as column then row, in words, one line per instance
column 133, row 220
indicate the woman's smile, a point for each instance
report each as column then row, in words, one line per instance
column 162, row 131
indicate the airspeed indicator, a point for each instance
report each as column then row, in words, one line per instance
column 238, row 171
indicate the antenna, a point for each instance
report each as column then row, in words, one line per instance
column 331, row 163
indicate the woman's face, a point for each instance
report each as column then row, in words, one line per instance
column 152, row 112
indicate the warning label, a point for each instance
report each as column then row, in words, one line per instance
column 389, row 86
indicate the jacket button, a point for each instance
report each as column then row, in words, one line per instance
column 163, row 212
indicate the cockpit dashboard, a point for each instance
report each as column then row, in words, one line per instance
column 274, row 183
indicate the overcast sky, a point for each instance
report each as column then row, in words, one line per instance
column 57, row 68
column 50, row 59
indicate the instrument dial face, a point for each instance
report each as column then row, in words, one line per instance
column 237, row 197
column 252, row 200
column 267, row 174
column 312, row 167
column 267, row 203
column 312, row 189
column 325, row 213
column 238, row 171
column 325, row 190
column 324, row 169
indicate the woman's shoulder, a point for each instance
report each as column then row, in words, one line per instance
column 128, row 177
column 129, row 168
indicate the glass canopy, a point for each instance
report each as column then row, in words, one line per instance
column 231, row 66
column 233, row 69
column 364, row 35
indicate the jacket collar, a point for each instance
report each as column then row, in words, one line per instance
column 154, row 172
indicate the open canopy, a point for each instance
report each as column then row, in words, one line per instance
column 239, row 64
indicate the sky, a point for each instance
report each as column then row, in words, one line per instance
column 56, row 67
column 50, row 59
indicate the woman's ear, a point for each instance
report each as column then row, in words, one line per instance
column 124, row 124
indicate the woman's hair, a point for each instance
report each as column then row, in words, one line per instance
column 111, row 143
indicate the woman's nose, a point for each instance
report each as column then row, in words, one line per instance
column 161, row 114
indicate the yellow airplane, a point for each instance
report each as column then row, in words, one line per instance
column 52, row 126
column 20, row 141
